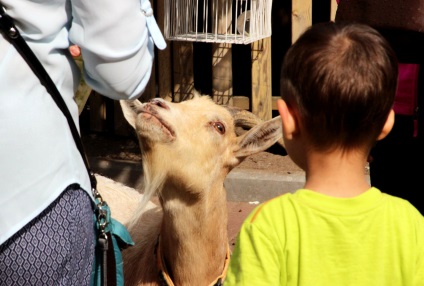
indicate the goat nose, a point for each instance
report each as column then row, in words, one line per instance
column 159, row 102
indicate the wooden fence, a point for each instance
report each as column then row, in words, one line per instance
column 242, row 75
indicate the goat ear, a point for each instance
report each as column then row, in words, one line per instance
column 129, row 109
column 260, row 137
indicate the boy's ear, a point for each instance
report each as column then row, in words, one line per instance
column 390, row 121
column 289, row 122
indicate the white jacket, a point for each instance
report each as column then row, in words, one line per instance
column 38, row 157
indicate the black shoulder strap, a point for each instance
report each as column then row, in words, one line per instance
column 12, row 34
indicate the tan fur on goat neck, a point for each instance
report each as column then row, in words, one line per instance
column 167, row 280
column 187, row 149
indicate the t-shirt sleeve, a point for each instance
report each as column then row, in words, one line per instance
column 419, row 281
column 255, row 260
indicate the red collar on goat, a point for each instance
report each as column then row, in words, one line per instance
column 166, row 279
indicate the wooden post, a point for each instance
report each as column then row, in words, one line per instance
column 222, row 73
column 301, row 17
column 183, row 71
column 262, row 79
column 222, row 70
column 97, row 112
column 333, row 9
column 164, row 62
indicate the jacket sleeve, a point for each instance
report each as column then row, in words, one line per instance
column 117, row 44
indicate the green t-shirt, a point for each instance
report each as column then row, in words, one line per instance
column 311, row 239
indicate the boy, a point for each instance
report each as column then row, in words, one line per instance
column 338, row 84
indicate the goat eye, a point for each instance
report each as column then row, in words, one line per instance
column 219, row 127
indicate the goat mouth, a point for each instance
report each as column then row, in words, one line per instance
column 158, row 121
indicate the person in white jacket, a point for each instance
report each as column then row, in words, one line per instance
column 46, row 206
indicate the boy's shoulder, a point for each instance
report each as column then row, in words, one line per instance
column 402, row 207
column 272, row 208
column 290, row 204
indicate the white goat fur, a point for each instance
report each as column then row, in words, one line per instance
column 187, row 149
column 122, row 200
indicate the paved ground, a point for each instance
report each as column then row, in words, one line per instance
column 237, row 212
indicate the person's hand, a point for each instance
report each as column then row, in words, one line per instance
column 75, row 51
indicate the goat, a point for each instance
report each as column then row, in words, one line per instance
column 187, row 148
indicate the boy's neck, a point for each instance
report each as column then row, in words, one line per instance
column 336, row 173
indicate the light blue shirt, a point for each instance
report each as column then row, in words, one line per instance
column 38, row 156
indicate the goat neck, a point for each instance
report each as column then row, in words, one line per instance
column 193, row 237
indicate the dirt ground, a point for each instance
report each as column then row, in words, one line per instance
column 126, row 148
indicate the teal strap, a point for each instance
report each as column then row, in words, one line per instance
column 120, row 238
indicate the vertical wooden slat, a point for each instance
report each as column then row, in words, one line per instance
column 333, row 9
column 301, row 17
column 183, row 70
column 262, row 79
column 222, row 71
column 122, row 128
column 164, row 58
column 97, row 112
column 151, row 90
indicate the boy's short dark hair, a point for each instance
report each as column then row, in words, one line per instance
column 341, row 80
